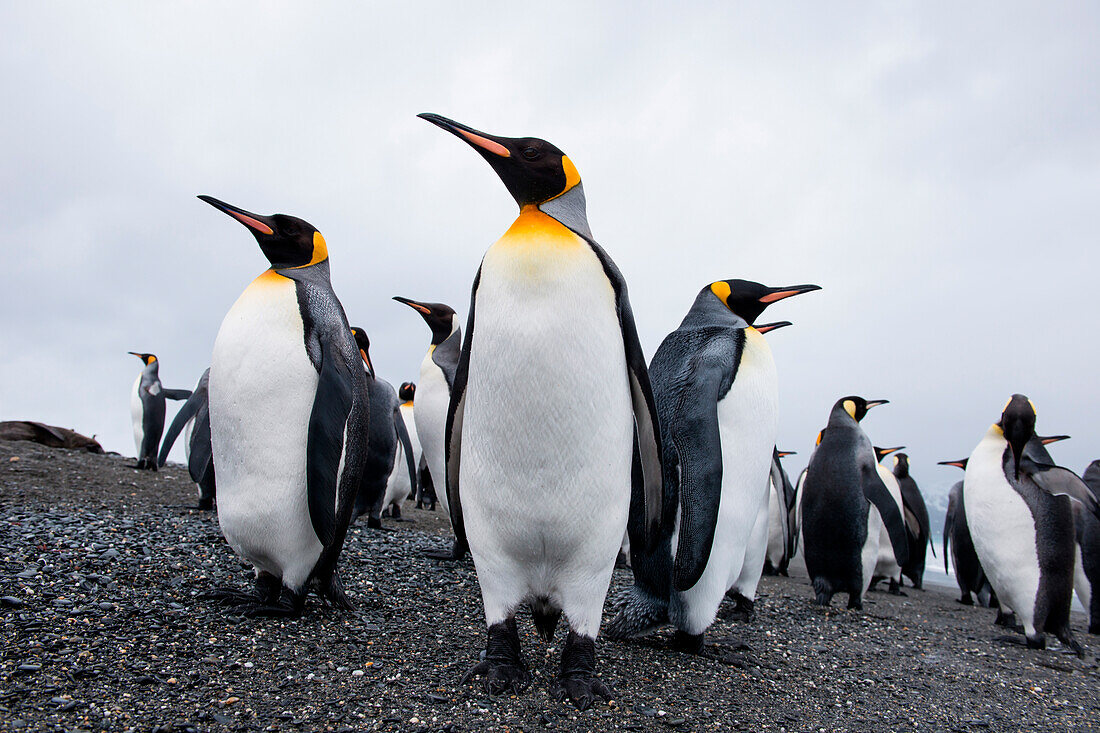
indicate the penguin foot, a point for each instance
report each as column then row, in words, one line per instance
column 1066, row 637
column 895, row 589
column 457, row 552
column 855, row 603
column 743, row 609
column 502, row 669
column 965, row 600
column 205, row 504
column 687, row 643
column 333, row 592
column 577, row 680
column 277, row 610
column 230, row 596
column 1037, row 641
column 374, row 522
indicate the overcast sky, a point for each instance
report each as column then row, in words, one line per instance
column 935, row 167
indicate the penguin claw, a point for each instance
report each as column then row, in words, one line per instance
column 500, row 677
column 581, row 689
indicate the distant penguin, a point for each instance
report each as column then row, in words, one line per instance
column 389, row 472
column 1021, row 520
column 958, row 544
column 193, row 420
column 716, row 388
column 1087, row 576
column 406, row 394
column 916, row 522
column 782, row 525
column 887, row 566
column 147, row 410
column 839, row 532
column 288, row 420
column 437, row 376
column 539, row 474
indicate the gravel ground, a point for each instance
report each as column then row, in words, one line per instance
column 100, row 567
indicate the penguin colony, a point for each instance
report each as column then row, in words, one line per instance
column 294, row 435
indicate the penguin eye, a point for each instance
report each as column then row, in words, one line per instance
column 531, row 154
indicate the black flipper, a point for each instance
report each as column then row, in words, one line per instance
column 698, row 444
column 1058, row 481
column 177, row 394
column 649, row 481
column 447, row 355
column 406, row 446
column 188, row 411
column 452, row 441
column 877, row 493
column 200, row 462
column 325, row 441
column 948, row 528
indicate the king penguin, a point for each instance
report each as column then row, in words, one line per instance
column 538, row 480
column 147, row 407
column 1087, row 576
column 406, row 394
column 916, row 522
column 782, row 526
column 1021, row 521
column 959, row 546
column 193, row 420
column 887, row 565
column 390, row 468
column 437, row 376
column 716, row 388
column 839, row 532
column 288, row 420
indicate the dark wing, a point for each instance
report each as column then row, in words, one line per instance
column 406, row 446
column 1058, row 481
column 1091, row 477
column 697, row 441
column 200, row 460
column 948, row 528
column 877, row 493
column 446, row 357
column 325, row 440
column 641, row 393
column 453, row 437
column 188, row 411
column 176, row 394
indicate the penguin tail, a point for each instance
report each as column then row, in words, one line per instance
column 637, row 614
column 546, row 618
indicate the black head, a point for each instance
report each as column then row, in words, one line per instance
column 1018, row 425
column 881, row 453
column 961, row 463
column 146, row 359
column 439, row 317
column 363, row 343
column 533, row 170
column 407, row 391
column 748, row 299
column 856, row 406
column 286, row 241
column 901, row 465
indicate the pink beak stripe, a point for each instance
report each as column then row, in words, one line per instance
column 486, row 143
column 772, row 297
column 250, row 222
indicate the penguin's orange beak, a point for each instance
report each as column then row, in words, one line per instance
column 257, row 223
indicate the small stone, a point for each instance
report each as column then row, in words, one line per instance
column 11, row 602
column 357, row 673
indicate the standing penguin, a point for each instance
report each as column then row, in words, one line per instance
column 147, row 410
column 842, row 484
column 958, row 544
column 1021, row 520
column 916, row 522
column 437, row 377
column 1087, row 576
column 545, row 476
column 389, row 471
column 193, row 420
column 406, row 394
column 288, row 419
column 715, row 384
column 782, row 526
column 887, row 565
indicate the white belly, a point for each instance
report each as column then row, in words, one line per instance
column 887, row 565
column 1081, row 585
column 748, row 419
column 410, row 428
column 753, row 567
column 430, row 415
column 546, row 435
column 1002, row 528
column 137, row 412
column 398, row 487
column 262, row 387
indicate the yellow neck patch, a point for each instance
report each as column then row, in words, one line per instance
column 722, row 290
column 407, row 404
column 535, row 229
column 850, row 408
